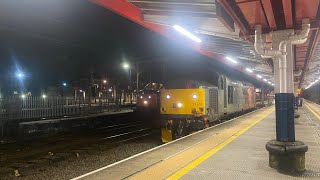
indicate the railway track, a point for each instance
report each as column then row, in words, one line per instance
column 17, row 157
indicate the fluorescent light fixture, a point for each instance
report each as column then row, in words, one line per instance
column 186, row 33
column 269, row 82
column 232, row 60
column 272, row 84
column 258, row 76
column 265, row 80
column 249, row 70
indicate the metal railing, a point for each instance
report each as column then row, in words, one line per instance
column 12, row 108
column 37, row 108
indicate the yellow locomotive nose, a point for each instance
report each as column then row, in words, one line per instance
column 182, row 101
column 179, row 106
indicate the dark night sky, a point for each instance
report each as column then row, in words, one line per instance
column 58, row 40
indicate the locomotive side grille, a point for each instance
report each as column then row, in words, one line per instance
column 213, row 100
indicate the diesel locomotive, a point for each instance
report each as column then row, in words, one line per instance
column 192, row 105
column 148, row 98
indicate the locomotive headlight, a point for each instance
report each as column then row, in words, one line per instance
column 194, row 96
column 149, row 97
column 179, row 105
column 145, row 102
column 168, row 96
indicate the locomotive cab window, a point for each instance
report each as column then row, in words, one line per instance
column 230, row 94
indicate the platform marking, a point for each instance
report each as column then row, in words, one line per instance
column 208, row 154
column 313, row 112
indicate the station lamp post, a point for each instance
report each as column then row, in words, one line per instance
column 137, row 69
column 126, row 66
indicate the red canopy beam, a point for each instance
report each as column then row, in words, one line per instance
column 236, row 14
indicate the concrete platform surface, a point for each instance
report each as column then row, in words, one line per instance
column 232, row 150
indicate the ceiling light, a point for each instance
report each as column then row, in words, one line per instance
column 232, row 60
column 265, row 80
column 258, row 76
column 186, row 33
column 249, row 70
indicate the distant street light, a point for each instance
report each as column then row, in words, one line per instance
column 105, row 81
column 64, row 84
column 44, row 96
column 23, row 96
column 125, row 65
column 20, row 75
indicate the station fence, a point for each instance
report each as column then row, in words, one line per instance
column 38, row 108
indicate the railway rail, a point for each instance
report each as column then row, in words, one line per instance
column 18, row 159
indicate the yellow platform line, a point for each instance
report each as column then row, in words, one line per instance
column 313, row 112
column 176, row 163
column 204, row 157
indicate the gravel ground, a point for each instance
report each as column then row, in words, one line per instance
column 86, row 159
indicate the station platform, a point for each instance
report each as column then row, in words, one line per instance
column 90, row 116
column 231, row 150
column 42, row 128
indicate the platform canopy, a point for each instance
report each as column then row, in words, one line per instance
column 226, row 29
